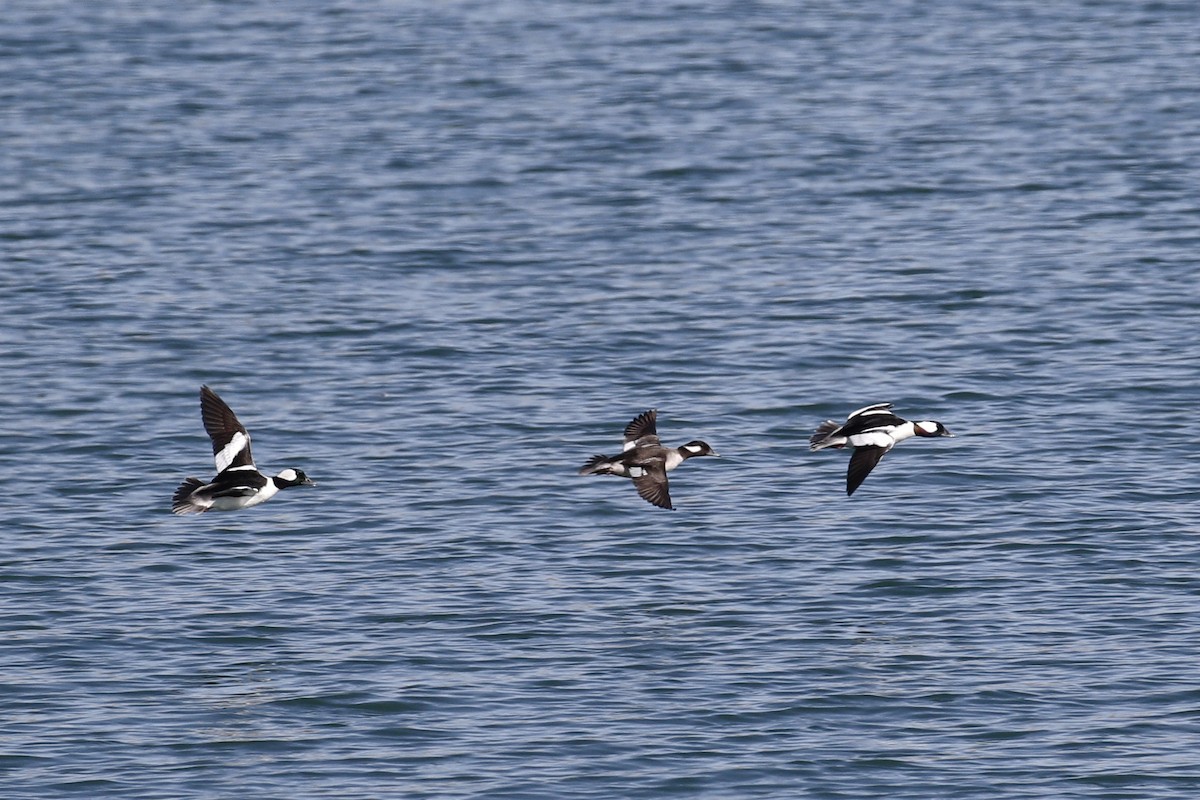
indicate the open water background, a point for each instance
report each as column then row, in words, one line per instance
column 438, row 254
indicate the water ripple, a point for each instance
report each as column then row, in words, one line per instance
column 438, row 256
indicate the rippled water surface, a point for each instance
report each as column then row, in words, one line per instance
column 438, row 254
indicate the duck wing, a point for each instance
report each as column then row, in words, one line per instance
column 652, row 485
column 230, row 439
column 643, row 430
column 861, row 464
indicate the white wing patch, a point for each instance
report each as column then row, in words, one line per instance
column 229, row 452
column 636, row 472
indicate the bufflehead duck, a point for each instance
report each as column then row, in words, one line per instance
column 871, row 431
column 645, row 460
column 238, row 483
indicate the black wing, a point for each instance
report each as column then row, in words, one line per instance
column 861, row 464
column 652, row 486
column 230, row 439
column 643, row 430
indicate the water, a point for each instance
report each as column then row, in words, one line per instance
column 437, row 255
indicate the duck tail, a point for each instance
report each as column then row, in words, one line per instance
column 821, row 437
column 596, row 465
column 181, row 502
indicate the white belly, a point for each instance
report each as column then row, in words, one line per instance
column 234, row 503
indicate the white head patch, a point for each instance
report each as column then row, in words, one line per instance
column 928, row 427
column 693, row 448
column 288, row 475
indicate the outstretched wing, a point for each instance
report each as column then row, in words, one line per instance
column 861, row 464
column 652, row 485
column 230, row 440
column 643, row 430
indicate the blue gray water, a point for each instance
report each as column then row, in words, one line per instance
column 438, row 254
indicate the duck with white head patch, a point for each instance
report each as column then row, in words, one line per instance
column 238, row 484
column 645, row 460
column 872, row 431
